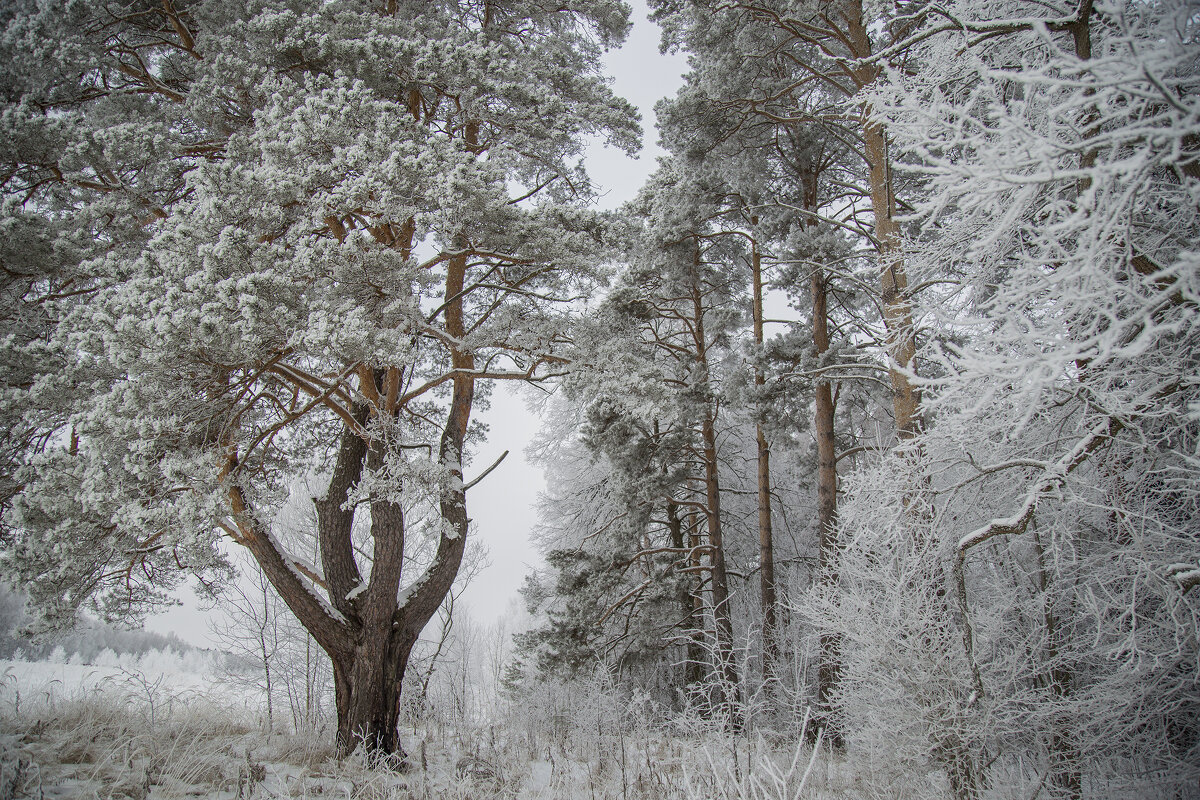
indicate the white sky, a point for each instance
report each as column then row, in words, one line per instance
column 502, row 505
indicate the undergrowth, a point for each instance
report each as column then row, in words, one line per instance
column 133, row 737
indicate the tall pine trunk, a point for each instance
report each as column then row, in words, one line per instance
column 726, row 670
column 830, row 667
column 766, row 545
column 893, row 279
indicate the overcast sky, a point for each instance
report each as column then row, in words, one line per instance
column 503, row 505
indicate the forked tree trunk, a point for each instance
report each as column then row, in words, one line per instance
column 365, row 628
column 366, row 631
column 368, row 670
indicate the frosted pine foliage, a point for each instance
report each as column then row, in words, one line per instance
column 219, row 216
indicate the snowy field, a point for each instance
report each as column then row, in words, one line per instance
column 129, row 731
column 160, row 672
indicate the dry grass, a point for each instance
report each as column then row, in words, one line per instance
column 133, row 738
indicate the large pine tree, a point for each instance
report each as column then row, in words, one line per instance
column 248, row 241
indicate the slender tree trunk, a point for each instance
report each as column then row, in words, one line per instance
column 766, row 547
column 829, row 668
column 719, row 578
column 893, row 280
column 722, row 617
column 830, row 664
column 693, row 604
column 265, row 653
column 893, row 286
column 692, row 673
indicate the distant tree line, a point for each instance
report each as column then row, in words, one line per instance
column 87, row 641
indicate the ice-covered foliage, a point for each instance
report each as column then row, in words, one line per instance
column 220, row 216
column 1012, row 581
column 250, row 243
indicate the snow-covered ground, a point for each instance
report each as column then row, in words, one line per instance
column 72, row 730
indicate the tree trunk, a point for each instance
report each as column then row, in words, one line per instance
column 829, row 660
column 893, row 287
column 726, row 670
column 1064, row 757
column 364, row 629
column 367, row 695
column 893, row 280
column 722, row 618
column 690, row 622
column 766, row 547
column 829, row 668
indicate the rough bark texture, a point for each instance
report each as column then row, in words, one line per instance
column 367, row 696
column 334, row 523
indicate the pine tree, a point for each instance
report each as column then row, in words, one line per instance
column 247, row 241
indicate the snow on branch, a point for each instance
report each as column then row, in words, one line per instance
column 487, row 471
column 1186, row 575
column 1054, row 476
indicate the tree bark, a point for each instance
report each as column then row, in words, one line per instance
column 726, row 670
column 829, row 667
column 893, row 280
column 367, row 696
column 722, row 618
column 766, row 547
column 691, row 624
column 335, row 523
column 824, row 410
